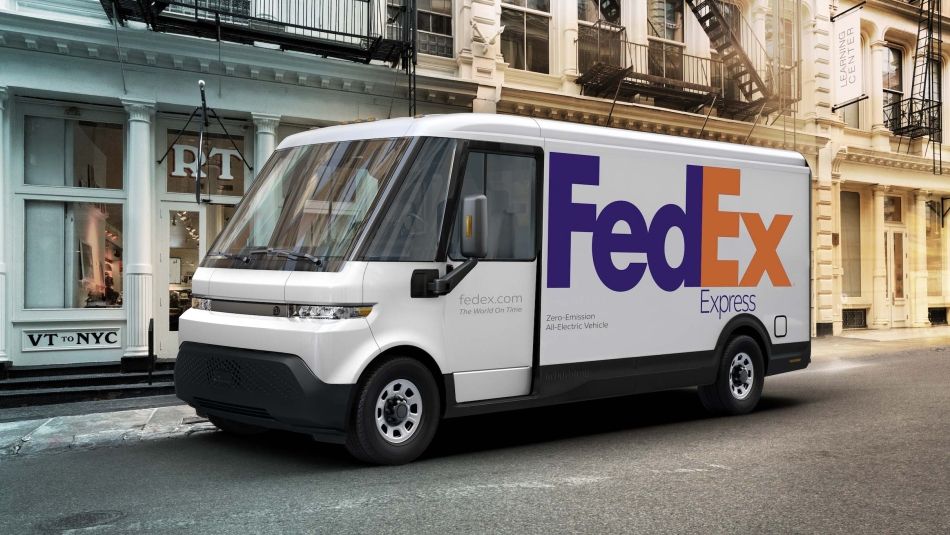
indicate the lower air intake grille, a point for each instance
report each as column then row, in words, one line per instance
column 233, row 408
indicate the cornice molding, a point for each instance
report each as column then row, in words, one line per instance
column 882, row 159
column 148, row 49
column 640, row 117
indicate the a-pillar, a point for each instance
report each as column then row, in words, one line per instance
column 880, row 308
column 920, row 259
column 4, row 178
column 265, row 139
column 137, row 234
column 880, row 135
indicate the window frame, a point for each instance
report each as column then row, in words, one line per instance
column 455, row 201
column 524, row 11
column 397, row 28
column 23, row 192
column 168, row 124
column 899, row 92
column 682, row 40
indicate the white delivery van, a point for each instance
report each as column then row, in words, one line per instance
column 379, row 277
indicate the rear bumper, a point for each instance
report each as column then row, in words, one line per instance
column 267, row 389
column 789, row 357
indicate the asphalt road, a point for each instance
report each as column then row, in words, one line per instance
column 852, row 445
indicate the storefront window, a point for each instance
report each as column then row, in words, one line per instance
column 65, row 152
column 222, row 172
column 851, row 244
column 934, row 251
column 73, row 255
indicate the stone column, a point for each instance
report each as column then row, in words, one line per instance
column 484, row 63
column 759, row 10
column 265, row 140
column 137, row 234
column 569, row 45
column 881, row 136
column 4, row 178
column 920, row 318
column 822, row 213
column 880, row 308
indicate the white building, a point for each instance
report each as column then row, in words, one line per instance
column 99, row 237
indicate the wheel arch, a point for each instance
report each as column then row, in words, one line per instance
column 404, row 350
column 751, row 326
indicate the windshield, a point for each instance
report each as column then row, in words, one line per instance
column 307, row 207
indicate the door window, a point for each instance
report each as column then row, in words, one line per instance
column 509, row 182
column 410, row 229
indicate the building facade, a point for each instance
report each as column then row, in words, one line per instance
column 102, row 232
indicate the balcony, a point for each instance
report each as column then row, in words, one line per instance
column 914, row 118
column 742, row 77
column 353, row 30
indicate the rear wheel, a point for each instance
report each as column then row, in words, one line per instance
column 739, row 382
column 235, row 428
column 395, row 414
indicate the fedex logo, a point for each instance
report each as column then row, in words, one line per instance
column 700, row 220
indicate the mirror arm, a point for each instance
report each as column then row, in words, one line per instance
column 446, row 284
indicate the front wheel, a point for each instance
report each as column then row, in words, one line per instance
column 739, row 382
column 395, row 414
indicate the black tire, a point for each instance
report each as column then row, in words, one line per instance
column 368, row 441
column 734, row 393
column 235, row 428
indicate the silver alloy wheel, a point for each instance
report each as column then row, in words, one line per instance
column 741, row 376
column 398, row 411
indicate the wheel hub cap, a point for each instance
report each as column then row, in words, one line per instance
column 742, row 376
column 398, row 411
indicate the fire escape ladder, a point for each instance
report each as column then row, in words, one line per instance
column 920, row 114
column 742, row 65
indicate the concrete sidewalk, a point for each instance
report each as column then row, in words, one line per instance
column 99, row 429
column 117, row 427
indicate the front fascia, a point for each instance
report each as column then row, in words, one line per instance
column 327, row 346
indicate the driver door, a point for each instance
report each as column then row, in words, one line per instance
column 490, row 316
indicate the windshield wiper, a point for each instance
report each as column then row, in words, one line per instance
column 221, row 254
column 284, row 253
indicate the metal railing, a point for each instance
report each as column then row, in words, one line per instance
column 914, row 117
column 665, row 64
column 347, row 21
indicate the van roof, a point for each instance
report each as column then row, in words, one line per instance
column 525, row 130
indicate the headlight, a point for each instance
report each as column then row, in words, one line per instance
column 200, row 303
column 330, row 312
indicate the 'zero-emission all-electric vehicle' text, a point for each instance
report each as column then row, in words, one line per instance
column 379, row 277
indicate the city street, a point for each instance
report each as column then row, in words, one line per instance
column 857, row 443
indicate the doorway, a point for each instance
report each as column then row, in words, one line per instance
column 895, row 251
column 188, row 232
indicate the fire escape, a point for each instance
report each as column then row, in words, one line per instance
column 920, row 115
column 362, row 31
column 741, row 79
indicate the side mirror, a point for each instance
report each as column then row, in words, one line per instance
column 475, row 226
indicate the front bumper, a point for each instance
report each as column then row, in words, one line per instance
column 262, row 388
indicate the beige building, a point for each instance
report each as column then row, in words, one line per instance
column 102, row 235
column 879, row 248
